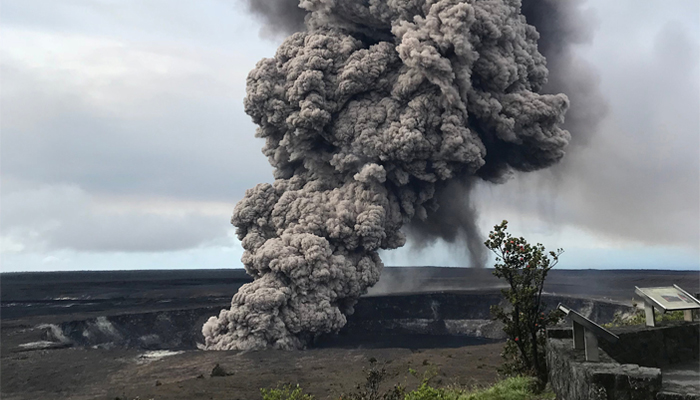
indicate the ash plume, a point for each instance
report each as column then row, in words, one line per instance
column 563, row 24
column 372, row 117
column 280, row 17
column 455, row 221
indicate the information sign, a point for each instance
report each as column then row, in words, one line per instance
column 669, row 298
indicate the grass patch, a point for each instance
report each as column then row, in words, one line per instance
column 516, row 388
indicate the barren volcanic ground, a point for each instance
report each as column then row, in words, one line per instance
column 84, row 335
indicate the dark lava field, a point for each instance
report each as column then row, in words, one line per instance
column 129, row 334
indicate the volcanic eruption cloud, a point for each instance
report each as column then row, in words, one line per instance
column 374, row 116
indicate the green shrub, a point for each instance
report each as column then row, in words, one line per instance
column 638, row 317
column 371, row 388
column 426, row 392
column 287, row 392
column 524, row 267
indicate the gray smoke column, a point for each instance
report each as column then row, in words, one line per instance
column 375, row 109
column 563, row 24
column 280, row 16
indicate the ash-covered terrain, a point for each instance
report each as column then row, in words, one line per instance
column 136, row 333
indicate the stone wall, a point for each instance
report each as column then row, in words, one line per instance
column 672, row 343
column 628, row 369
column 572, row 378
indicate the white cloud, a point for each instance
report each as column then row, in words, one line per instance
column 123, row 131
column 9, row 245
column 107, row 118
column 118, row 77
column 49, row 218
column 70, row 260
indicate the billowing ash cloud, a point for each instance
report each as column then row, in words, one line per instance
column 561, row 24
column 371, row 117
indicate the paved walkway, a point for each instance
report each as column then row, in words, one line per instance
column 681, row 378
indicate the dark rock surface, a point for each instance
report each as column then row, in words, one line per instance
column 23, row 295
column 660, row 346
column 148, row 310
column 680, row 382
column 420, row 320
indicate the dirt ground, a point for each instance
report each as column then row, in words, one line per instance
column 73, row 373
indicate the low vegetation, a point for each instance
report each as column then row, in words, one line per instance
column 286, row 392
column 370, row 390
column 514, row 388
column 638, row 317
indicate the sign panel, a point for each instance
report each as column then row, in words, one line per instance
column 670, row 298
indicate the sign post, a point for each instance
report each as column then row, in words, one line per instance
column 670, row 298
column 586, row 333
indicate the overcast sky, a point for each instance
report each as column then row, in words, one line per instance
column 125, row 146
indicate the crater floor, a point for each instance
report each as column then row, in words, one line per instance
column 334, row 367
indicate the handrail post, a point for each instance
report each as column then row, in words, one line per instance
column 649, row 314
column 688, row 315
